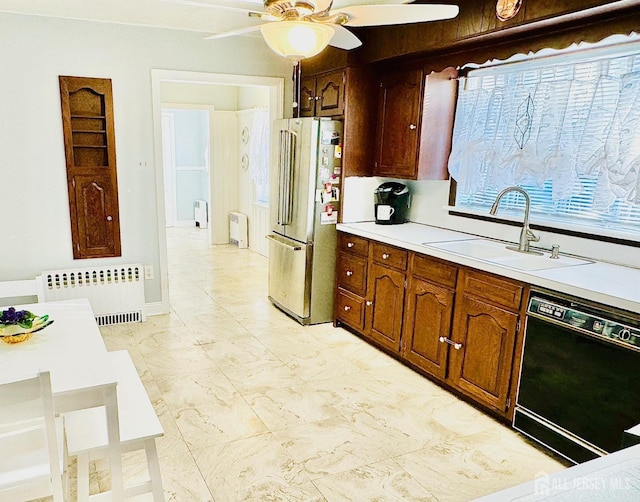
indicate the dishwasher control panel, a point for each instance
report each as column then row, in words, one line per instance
column 585, row 320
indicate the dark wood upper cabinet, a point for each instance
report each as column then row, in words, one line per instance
column 307, row 102
column 399, row 114
column 322, row 95
column 330, row 93
column 89, row 142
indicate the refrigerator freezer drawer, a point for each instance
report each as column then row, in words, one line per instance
column 289, row 277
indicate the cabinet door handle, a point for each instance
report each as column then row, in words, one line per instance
column 412, row 126
column 350, row 244
column 347, row 308
column 349, row 273
column 109, row 218
column 455, row 345
column 385, row 256
column 369, row 303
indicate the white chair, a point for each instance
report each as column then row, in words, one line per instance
column 17, row 289
column 86, row 430
column 31, row 465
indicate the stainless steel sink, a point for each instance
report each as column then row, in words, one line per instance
column 496, row 252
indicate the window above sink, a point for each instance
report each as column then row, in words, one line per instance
column 564, row 126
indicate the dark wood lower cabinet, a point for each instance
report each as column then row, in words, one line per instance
column 429, row 311
column 456, row 324
column 386, row 292
column 482, row 366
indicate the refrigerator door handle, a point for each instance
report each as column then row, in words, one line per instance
column 281, row 243
column 290, row 156
column 281, row 163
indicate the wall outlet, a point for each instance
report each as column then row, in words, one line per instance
column 148, row 272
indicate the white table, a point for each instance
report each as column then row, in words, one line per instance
column 73, row 351
column 614, row 477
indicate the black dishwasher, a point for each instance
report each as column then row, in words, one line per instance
column 578, row 390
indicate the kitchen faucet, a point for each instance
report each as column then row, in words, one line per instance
column 526, row 235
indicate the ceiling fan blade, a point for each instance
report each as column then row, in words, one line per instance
column 232, row 33
column 232, row 6
column 344, row 39
column 381, row 15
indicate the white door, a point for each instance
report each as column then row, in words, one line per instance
column 169, row 167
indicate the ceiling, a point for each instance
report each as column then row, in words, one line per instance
column 209, row 17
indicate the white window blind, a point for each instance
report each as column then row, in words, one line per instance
column 566, row 128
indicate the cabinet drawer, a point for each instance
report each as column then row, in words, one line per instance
column 434, row 270
column 390, row 256
column 497, row 290
column 350, row 309
column 353, row 244
column 352, row 273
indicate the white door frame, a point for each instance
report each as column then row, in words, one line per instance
column 276, row 105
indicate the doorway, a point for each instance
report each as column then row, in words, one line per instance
column 186, row 159
column 217, row 173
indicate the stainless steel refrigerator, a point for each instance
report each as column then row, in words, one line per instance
column 304, row 197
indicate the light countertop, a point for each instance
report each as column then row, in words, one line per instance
column 601, row 282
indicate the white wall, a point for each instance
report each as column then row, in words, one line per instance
column 221, row 97
column 34, row 211
column 248, row 97
column 429, row 201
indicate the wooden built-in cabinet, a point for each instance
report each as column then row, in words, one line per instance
column 89, row 141
column 386, row 295
column 415, row 124
column 351, row 281
column 398, row 124
column 487, row 318
column 458, row 325
column 429, row 314
column 322, row 95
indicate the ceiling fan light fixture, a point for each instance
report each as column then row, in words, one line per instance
column 297, row 39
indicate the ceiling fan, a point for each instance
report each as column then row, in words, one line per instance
column 302, row 28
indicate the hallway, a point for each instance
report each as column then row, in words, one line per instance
column 257, row 407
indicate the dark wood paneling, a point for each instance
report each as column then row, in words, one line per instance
column 329, row 59
column 549, row 8
column 478, row 27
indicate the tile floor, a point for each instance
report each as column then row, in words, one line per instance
column 256, row 407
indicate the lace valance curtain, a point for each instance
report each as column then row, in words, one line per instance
column 556, row 122
column 259, row 146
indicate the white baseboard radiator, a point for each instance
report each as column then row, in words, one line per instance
column 238, row 229
column 116, row 293
column 200, row 213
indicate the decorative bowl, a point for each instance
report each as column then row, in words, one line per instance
column 21, row 337
column 18, row 326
